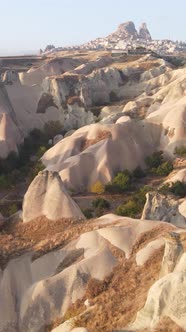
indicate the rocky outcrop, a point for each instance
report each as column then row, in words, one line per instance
column 126, row 30
column 38, row 287
column 10, row 135
column 172, row 253
column 167, row 296
column 47, row 196
column 93, row 153
column 161, row 207
column 144, row 32
column 50, row 284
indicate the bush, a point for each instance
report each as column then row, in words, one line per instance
column 165, row 189
column 129, row 209
column 88, row 213
column 155, row 160
column 97, row 188
column 180, row 151
column 138, row 173
column 134, row 206
column 100, row 203
column 123, row 180
column 41, row 151
column 178, row 188
column 140, row 196
column 164, row 169
column 120, row 183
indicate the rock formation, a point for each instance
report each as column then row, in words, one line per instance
column 50, row 93
column 161, row 207
column 47, row 196
column 92, row 153
column 126, row 30
column 38, row 288
column 144, row 32
column 172, row 253
column 167, row 296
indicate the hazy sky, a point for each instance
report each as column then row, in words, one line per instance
column 32, row 24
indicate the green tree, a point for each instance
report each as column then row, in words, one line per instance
column 164, row 169
column 155, row 160
column 100, row 203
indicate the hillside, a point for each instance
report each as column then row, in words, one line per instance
column 92, row 193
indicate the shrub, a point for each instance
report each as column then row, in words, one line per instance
column 122, row 180
column 88, row 213
column 165, row 189
column 134, row 206
column 129, row 209
column 138, row 173
column 164, row 169
column 41, row 151
column 100, row 203
column 97, row 188
column 140, row 196
column 155, row 160
column 120, row 183
column 178, row 188
column 180, row 151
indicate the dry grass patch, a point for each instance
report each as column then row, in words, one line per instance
column 101, row 136
column 121, row 295
column 39, row 236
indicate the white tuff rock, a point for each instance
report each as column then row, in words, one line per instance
column 47, row 196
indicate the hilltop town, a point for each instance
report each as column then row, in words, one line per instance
column 127, row 38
